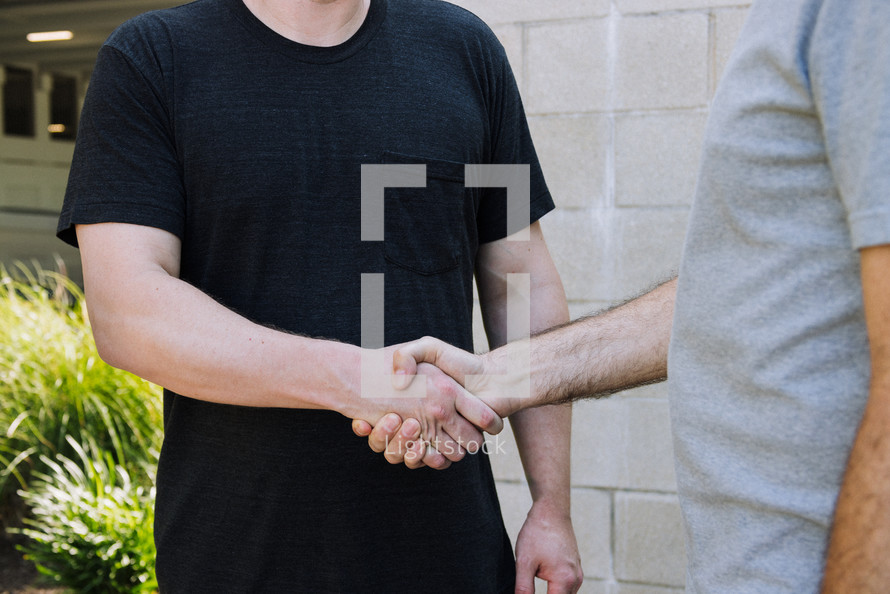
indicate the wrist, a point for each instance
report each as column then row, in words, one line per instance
column 506, row 369
column 344, row 363
column 552, row 505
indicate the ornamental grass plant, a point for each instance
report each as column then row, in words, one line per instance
column 78, row 441
column 90, row 526
column 54, row 386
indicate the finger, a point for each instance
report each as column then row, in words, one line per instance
column 434, row 459
column 444, row 426
column 561, row 587
column 453, row 361
column 407, row 356
column 448, row 447
column 414, row 457
column 361, row 428
column 478, row 413
column 398, row 445
column 384, row 432
column 525, row 577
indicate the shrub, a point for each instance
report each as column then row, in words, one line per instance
column 54, row 386
column 91, row 525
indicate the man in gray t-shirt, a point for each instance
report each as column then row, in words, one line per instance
column 769, row 358
column 780, row 351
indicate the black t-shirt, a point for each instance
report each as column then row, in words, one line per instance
column 201, row 121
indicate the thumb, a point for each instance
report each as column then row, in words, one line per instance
column 404, row 367
column 453, row 361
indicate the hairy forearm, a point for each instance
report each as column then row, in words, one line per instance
column 860, row 539
column 595, row 356
column 172, row 334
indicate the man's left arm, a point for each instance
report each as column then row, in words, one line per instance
column 860, row 538
column 546, row 545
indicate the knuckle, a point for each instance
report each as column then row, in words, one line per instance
column 487, row 419
column 439, row 411
column 567, row 577
column 525, row 560
column 442, row 385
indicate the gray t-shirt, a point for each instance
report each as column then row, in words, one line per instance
column 769, row 362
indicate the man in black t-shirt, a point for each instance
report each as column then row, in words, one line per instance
column 216, row 195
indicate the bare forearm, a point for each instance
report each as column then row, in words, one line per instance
column 860, row 539
column 172, row 334
column 595, row 356
column 543, row 435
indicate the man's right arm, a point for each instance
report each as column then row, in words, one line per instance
column 622, row 348
column 149, row 322
column 592, row 357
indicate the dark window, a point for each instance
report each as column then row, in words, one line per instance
column 18, row 102
column 63, row 108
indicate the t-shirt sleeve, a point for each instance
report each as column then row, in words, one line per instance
column 125, row 167
column 850, row 77
column 511, row 144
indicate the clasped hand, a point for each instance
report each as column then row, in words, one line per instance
column 463, row 399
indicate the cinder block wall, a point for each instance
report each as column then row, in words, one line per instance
column 617, row 95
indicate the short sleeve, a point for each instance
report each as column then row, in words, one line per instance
column 125, row 167
column 511, row 144
column 850, row 77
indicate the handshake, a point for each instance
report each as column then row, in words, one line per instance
column 440, row 399
column 435, row 420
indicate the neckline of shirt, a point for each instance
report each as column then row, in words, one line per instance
column 312, row 53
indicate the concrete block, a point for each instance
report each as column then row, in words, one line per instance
column 595, row 587
column 579, row 242
column 592, row 519
column 645, row 249
column 643, row 6
column 573, row 151
column 511, row 37
column 638, row 589
column 649, row 449
column 623, row 443
column 649, row 539
column 727, row 27
column 495, row 12
column 567, row 67
column 610, row 255
column 662, row 62
column 599, row 443
column 657, row 157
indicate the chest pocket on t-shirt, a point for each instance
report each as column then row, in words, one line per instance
column 429, row 230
